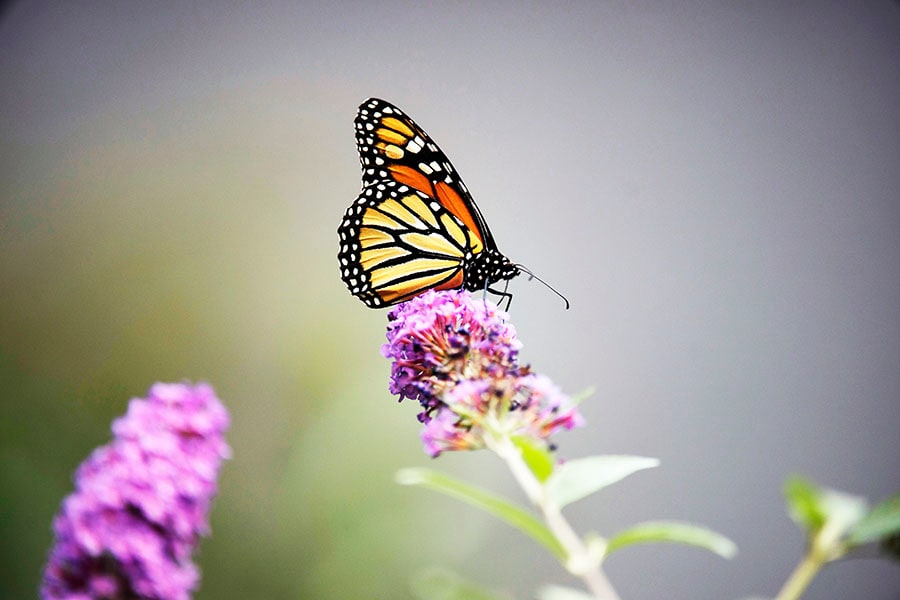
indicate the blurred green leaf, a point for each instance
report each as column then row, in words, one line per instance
column 441, row 584
column 582, row 477
column 579, row 397
column 536, row 456
column 881, row 522
column 828, row 515
column 804, row 501
column 674, row 532
column 499, row 507
column 843, row 512
column 558, row 592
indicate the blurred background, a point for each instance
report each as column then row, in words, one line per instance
column 716, row 188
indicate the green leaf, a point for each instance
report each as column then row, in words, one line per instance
column 579, row 397
column 843, row 512
column 804, row 501
column 828, row 515
column 674, row 532
column 499, row 507
column 558, row 592
column 536, row 456
column 881, row 522
column 440, row 584
column 576, row 479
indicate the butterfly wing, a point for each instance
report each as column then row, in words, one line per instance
column 414, row 226
column 392, row 147
column 397, row 242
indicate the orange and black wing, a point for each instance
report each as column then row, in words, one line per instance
column 397, row 242
column 414, row 226
column 392, row 147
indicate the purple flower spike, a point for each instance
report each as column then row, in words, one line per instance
column 458, row 357
column 530, row 406
column 141, row 502
column 539, row 408
column 442, row 337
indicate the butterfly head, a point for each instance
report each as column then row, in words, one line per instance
column 488, row 267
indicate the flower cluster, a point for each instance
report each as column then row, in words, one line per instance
column 141, row 502
column 440, row 338
column 458, row 357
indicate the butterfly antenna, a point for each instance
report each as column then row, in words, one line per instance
column 547, row 285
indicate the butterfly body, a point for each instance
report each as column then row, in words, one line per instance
column 414, row 226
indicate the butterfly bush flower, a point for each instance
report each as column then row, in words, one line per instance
column 442, row 337
column 458, row 357
column 529, row 406
column 141, row 502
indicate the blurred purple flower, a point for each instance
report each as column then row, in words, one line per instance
column 458, row 357
column 141, row 502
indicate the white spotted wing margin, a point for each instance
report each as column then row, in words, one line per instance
column 396, row 241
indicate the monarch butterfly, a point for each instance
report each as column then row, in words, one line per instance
column 414, row 226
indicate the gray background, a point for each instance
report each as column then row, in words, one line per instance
column 714, row 186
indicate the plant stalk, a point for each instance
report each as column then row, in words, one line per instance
column 800, row 579
column 579, row 561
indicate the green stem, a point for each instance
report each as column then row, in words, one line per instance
column 578, row 559
column 801, row 577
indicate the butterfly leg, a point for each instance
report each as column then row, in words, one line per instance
column 503, row 294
